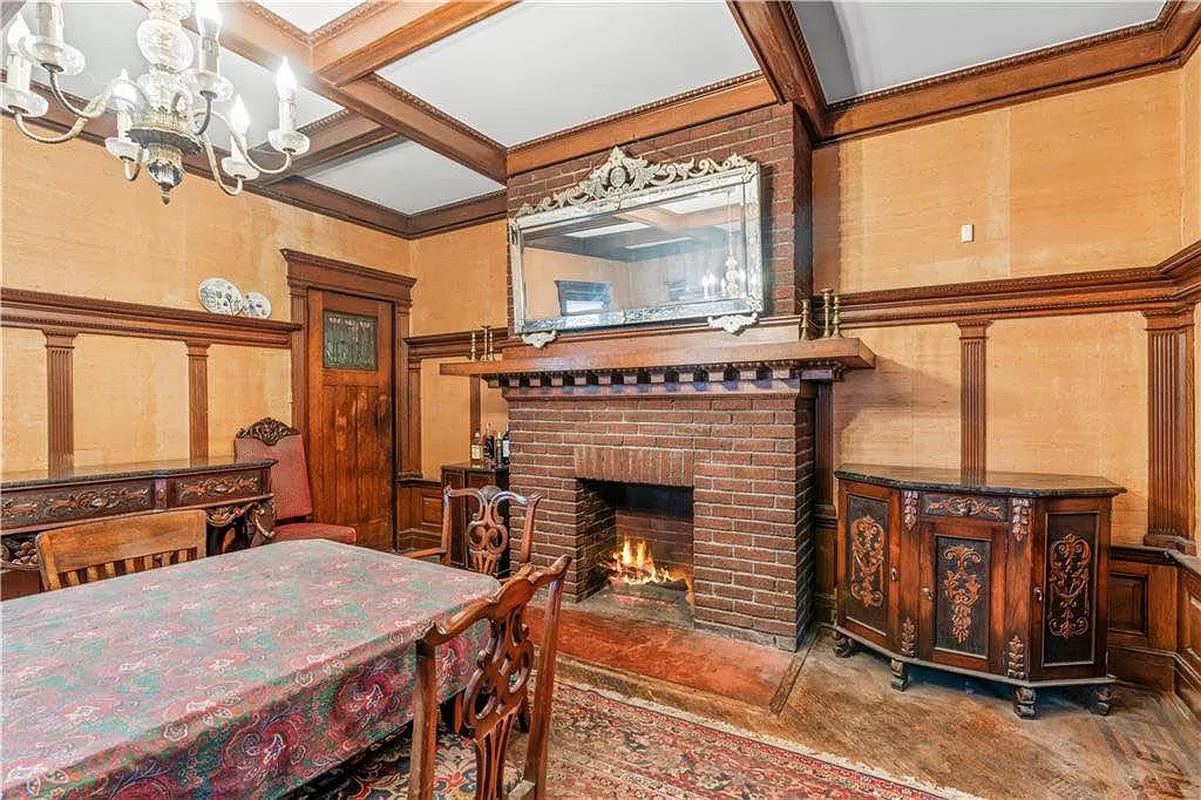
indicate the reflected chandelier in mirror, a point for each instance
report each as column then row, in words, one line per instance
column 637, row 243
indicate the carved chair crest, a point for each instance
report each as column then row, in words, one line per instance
column 267, row 430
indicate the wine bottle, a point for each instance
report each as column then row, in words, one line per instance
column 477, row 447
column 489, row 446
column 504, row 447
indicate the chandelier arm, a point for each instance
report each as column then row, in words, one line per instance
column 71, row 133
column 281, row 169
column 94, row 107
column 208, row 117
column 212, row 158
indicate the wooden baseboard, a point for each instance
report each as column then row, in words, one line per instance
column 1154, row 668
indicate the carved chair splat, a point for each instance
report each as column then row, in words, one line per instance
column 487, row 534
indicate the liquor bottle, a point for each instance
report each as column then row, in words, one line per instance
column 504, row 447
column 477, row 447
column 489, row 446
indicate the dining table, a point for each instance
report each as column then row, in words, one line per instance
column 240, row 675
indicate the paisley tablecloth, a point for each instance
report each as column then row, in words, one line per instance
column 241, row 675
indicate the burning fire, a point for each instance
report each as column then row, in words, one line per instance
column 633, row 564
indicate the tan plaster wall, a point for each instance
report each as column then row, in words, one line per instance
column 1081, row 181
column 1190, row 151
column 906, row 411
column 69, row 223
column 1069, row 394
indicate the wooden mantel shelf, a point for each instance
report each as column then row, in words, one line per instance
column 814, row 359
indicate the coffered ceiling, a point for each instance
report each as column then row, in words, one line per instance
column 419, row 110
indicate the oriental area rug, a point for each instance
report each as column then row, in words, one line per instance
column 603, row 746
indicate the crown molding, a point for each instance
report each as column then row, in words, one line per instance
column 465, row 213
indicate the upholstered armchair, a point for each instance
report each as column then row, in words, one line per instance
column 270, row 438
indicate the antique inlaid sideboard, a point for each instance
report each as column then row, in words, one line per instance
column 1004, row 579
column 233, row 495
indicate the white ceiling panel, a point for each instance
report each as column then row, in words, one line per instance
column 105, row 33
column 862, row 47
column 405, row 177
column 309, row 15
column 541, row 67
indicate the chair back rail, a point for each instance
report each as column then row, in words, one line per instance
column 107, row 548
column 492, row 702
column 487, row 534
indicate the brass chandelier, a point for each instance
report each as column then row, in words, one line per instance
column 163, row 116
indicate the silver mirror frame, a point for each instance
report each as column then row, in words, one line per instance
column 624, row 182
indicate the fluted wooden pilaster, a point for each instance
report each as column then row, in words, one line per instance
column 823, row 444
column 973, row 415
column 300, row 355
column 1171, row 435
column 198, row 399
column 60, row 401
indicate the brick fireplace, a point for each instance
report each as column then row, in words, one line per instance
column 746, row 456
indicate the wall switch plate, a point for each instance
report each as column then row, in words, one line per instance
column 967, row 233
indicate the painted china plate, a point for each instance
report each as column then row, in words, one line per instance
column 219, row 296
column 256, row 305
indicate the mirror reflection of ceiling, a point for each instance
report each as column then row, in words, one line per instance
column 538, row 68
column 863, row 47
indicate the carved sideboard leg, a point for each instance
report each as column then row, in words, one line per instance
column 1024, row 700
column 844, row 645
column 1102, row 695
column 900, row 674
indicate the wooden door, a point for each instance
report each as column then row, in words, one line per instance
column 867, row 558
column 350, row 419
column 963, row 591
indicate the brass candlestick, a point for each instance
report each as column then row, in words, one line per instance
column 827, row 294
column 805, row 319
column 474, row 356
column 836, row 332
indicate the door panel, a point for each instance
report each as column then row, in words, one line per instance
column 350, row 407
column 963, row 592
column 866, row 560
column 1070, row 588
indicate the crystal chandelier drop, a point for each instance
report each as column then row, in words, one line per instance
column 164, row 115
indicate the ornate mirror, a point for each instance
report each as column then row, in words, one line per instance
column 638, row 243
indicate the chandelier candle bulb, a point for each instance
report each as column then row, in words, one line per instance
column 285, row 82
column 49, row 17
column 208, row 22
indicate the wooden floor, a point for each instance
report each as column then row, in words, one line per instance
column 955, row 732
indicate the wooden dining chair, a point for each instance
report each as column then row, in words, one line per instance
column 472, row 750
column 487, row 534
column 110, row 547
column 271, row 439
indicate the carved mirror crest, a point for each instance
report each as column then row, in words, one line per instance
column 637, row 243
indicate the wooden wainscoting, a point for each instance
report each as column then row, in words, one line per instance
column 419, row 511
column 1155, row 620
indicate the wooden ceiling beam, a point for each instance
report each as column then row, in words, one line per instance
column 774, row 36
column 744, row 93
column 341, row 134
column 413, row 118
column 392, row 32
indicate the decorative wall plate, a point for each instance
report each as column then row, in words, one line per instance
column 257, row 305
column 219, row 296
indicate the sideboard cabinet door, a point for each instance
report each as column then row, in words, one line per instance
column 867, row 562
column 1070, row 574
column 963, row 593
